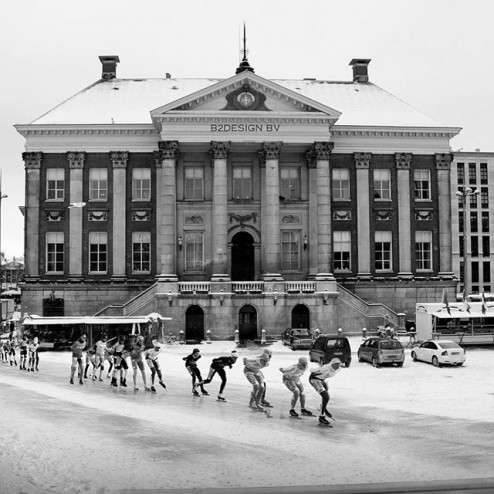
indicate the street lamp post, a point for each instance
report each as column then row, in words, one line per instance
column 2, row 196
column 467, row 252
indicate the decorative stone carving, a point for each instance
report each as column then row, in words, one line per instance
column 403, row 161
column 443, row 161
column 141, row 216
column 290, row 218
column 97, row 216
column 246, row 98
column 54, row 215
column 362, row 160
column 194, row 220
column 219, row 150
column 311, row 159
column 32, row 161
column 119, row 159
column 383, row 215
column 342, row 215
column 423, row 215
column 168, row 150
column 76, row 159
column 322, row 150
column 243, row 218
column 271, row 150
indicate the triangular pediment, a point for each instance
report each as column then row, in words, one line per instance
column 246, row 93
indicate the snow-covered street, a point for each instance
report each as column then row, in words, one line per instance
column 415, row 423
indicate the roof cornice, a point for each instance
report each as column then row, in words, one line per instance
column 387, row 131
column 86, row 129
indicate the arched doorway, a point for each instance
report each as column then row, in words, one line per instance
column 194, row 324
column 242, row 257
column 300, row 316
column 247, row 323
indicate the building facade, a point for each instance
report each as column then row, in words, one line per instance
column 237, row 204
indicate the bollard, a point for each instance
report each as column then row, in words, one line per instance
column 263, row 336
column 182, row 337
column 340, row 331
column 364, row 333
column 208, row 336
column 237, row 336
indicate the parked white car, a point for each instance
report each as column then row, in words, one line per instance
column 440, row 352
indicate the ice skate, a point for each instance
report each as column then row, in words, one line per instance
column 195, row 393
column 306, row 412
column 71, row 381
column 324, row 421
column 258, row 407
column 162, row 384
column 147, row 388
column 221, row 399
column 153, row 389
column 294, row 414
column 114, row 382
column 123, row 383
column 136, row 388
column 328, row 414
column 101, row 379
column 81, row 381
column 204, row 392
column 265, row 403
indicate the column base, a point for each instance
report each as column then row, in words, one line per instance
column 325, row 277
column 162, row 278
column 220, row 277
column 272, row 277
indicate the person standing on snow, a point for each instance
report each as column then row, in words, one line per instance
column 77, row 348
column 317, row 380
column 291, row 379
column 193, row 370
column 218, row 366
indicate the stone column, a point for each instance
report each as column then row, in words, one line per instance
column 219, row 156
column 362, row 161
column 166, row 217
column 119, row 226
column 321, row 152
column 443, row 169
column 32, row 165
column 403, row 161
column 76, row 167
column 312, row 229
column 271, row 218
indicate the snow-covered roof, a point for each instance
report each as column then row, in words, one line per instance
column 130, row 101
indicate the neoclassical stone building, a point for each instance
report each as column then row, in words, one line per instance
column 240, row 203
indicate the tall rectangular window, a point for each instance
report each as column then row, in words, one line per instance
column 98, row 252
column 486, row 273
column 422, row 182
column 290, row 183
column 54, row 252
column 382, row 251
column 486, row 246
column 342, row 247
column 484, row 197
column 98, row 184
column 194, row 183
column 141, row 184
column 194, row 251
column 474, row 223
column 341, row 184
column 474, row 242
column 55, row 184
column 290, row 250
column 460, row 173
column 242, row 183
column 475, row 273
column 472, row 173
column 483, row 173
column 423, row 251
column 382, row 184
column 141, row 252
column 485, row 221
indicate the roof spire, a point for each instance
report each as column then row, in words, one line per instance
column 244, row 64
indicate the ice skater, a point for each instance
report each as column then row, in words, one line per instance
column 137, row 362
column 12, row 346
column 119, row 362
column 33, row 354
column 193, row 370
column 317, row 380
column 78, row 348
column 218, row 366
column 253, row 374
column 100, row 348
column 90, row 360
column 291, row 379
column 23, row 353
column 151, row 355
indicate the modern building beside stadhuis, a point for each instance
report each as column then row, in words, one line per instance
column 237, row 204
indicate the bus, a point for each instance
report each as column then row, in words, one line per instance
column 469, row 323
column 58, row 333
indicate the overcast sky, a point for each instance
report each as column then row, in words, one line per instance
column 434, row 54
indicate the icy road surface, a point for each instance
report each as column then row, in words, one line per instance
column 411, row 424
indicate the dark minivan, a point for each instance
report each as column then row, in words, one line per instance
column 326, row 347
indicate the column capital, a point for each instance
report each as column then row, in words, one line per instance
column 219, row 150
column 76, row 159
column 322, row 150
column 443, row 161
column 403, row 160
column 311, row 158
column 168, row 150
column 362, row 160
column 32, row 161
column 271, row 150
column 119, row 159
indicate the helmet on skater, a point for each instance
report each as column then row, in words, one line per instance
column 302, row 362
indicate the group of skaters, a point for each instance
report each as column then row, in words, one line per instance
column 28, row 347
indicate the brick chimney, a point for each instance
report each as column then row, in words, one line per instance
column 109, row 69
column 360, row 72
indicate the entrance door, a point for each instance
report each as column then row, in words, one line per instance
column 242, row 257
column 194, row 324
column 53, row 307
column 300, row 317
column 247, row 323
